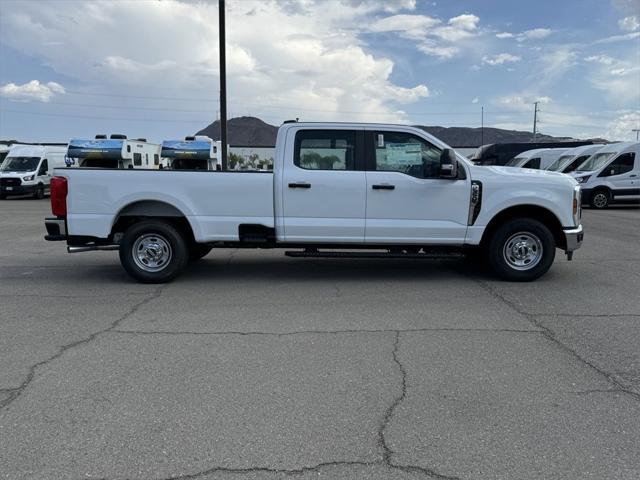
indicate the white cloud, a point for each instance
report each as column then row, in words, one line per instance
column 621, row 128
column 434, row 38
column 500, row 59
column 522, row 101
column 31, row 91
column 475, row 100
column 629, row 24
column 619, row 38
column 603, row 59
column 313, row 62
column 533, row 34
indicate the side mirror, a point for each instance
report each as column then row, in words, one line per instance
column 448, row 164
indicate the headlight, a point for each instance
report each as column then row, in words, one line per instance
column 28, row 178
column 583, row 179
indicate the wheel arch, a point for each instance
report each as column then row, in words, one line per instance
column 152, row 210
column 535, row 212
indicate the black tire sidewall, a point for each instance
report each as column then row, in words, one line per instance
column 502, row 234
column 179, row 254
column 39, row 193
column 593, row 196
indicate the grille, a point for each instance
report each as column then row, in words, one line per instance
column 10, row 182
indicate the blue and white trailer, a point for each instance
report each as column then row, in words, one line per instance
column 193, row 153
column 114, row 152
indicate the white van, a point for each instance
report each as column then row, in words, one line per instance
column 27, row 169
column 612, row 174
column 538, row 159
column 114, row 152
column 572, row 159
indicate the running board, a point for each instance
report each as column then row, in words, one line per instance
column 427, row 256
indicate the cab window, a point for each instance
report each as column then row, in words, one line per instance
column 406, row 153
column 325, row 149
column 575, row 163
column 622, row 164
column 533, row 163
column 43, row 168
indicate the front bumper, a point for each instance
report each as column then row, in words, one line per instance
column 573, row 239
column 18, row 189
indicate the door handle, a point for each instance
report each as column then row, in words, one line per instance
column 300, row 185
column 633, row 176
column 383, row 186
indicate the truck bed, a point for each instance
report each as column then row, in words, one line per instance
column 215, row 203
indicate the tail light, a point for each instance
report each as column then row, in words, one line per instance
column 59, row 192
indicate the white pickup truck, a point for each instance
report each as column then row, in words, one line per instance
column 336, row 190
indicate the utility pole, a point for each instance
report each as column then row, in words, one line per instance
column 482, row 126
column 637, row 130
column 535, row 121
column 223, row 87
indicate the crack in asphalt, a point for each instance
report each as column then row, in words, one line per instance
column 550, row 335
column 14, row 393
column 322, row 332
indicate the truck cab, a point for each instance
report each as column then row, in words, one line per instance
column 27, row 169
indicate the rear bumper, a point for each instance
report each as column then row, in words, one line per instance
column 56, row 229
column 573, row 238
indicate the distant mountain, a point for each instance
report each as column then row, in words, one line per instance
column 251, row 131
column 246, row 131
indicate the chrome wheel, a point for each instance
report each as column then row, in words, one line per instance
column 523, row 251
column 600, row 200
column 151, row 252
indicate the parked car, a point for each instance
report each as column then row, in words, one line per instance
column 394, row 191
column 573, row 158
column 538, row 159
column 27, row 169
column 612, row 174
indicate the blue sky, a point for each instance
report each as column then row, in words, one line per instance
column 149, row 68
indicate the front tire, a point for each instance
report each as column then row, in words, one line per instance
column 39, row 193
column 521, row 250
column 600, row 199
column 153, row 252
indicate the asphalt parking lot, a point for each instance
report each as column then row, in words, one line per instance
column 253, row 365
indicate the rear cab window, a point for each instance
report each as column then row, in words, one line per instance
column 325, row 149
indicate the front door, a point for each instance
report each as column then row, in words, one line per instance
column 407, row 202
column 324, row 187
column 622, row 176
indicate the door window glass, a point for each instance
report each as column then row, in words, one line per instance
column 43, row 167
column 325, row 149
column 533, row 163
column 406, row 153
column 575, row 163
column 137, row 159
column 622, row 164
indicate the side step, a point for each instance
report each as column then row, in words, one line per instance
column 444, row 255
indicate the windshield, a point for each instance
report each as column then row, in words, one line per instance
column 20, row 164
column 555, row 166
column 514, row 161
column 595, row 162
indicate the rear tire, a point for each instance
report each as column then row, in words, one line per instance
column 198, row 251
column 521, row 250
column 153, row 252
column 600, row 199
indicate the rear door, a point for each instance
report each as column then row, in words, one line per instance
column 323, row 186
column 407, row 202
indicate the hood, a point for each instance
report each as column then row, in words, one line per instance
column 525, row 175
